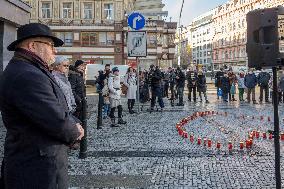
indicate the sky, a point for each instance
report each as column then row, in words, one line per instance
column 191, row 9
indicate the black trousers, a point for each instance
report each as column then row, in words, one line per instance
column 112, row 110
column 193, row 91
column 130, row 104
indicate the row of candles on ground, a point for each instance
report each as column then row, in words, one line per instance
column 262, row 118
column 208, row 142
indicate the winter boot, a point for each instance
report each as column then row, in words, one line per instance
column 120, row 121
column 113, row 124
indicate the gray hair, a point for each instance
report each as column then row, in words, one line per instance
column 59, row 60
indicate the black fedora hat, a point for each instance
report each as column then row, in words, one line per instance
column 34, row 30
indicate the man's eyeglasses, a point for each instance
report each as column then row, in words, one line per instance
column 47, row 43
column 66, row 66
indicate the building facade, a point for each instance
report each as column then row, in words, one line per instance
column 202, row 33
column 12, row 15
column 92, row 30
column 229, row 41
column 95, row 31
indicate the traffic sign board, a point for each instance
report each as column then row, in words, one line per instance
column 136, row 21
column 137, row 44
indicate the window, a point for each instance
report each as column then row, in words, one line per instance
column 106, row 38
column 152, row 40
column 88, row 10
column 46, row 9
column 108, row 11
column 89, row 38
column 67, row 10
column 66, row 37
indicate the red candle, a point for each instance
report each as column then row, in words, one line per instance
column 230, row 146
column 264, row 135
column 247, row 144
column 199, row 141
column 209, row 143
column 270, row 136
column 191, row 138
column 257, row 134
column 282, row 136
column 204, row 141
column 218, row 145
column 268, row 119
column 180, row 131
column 185, row 135
column 253, row 134
column 241, row 145
column 251, row 142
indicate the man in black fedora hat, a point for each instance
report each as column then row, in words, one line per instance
column 35, row 114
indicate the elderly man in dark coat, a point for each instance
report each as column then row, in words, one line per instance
column 35, row 114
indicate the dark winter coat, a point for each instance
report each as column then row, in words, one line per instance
column 180, row 82
column 39, row 126
column 76, row 80
column 263, row 79
column 225, row 84
column 218, row 77
column 250, row 80
column 155, row 78
column 191, row 77
column 201, row 83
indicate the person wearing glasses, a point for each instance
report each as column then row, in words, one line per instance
column 39, row 126
column 60, row 73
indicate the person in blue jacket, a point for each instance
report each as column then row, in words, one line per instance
column 250, row 83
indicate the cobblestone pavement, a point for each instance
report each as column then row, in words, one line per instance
column 149, row 153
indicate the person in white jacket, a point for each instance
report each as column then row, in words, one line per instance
column 130, row 81
column 114, row 94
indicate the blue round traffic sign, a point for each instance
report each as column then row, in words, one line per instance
column 136, row 21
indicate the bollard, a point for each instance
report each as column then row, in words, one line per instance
column 83, row 142
column 100, row 111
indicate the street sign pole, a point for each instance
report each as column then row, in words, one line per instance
column 137, row 44
column 138, row 84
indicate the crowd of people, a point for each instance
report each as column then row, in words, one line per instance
column 43, row 103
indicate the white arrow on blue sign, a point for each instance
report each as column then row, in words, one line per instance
column 136, row 21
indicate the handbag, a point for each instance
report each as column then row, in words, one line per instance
column 124, row 87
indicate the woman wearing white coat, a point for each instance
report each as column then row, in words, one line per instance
column 130, row 81
column 114, row 95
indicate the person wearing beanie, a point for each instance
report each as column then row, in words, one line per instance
column 114, row 94
column 76, row 79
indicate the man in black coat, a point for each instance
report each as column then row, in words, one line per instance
column 155, row 79
column 35, row 114
column 218, row 78
column 180, row 83
column 263, row 81
column 191, row 77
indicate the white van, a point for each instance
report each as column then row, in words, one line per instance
column 92, row 72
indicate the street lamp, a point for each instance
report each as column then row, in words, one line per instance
column 180, row 27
